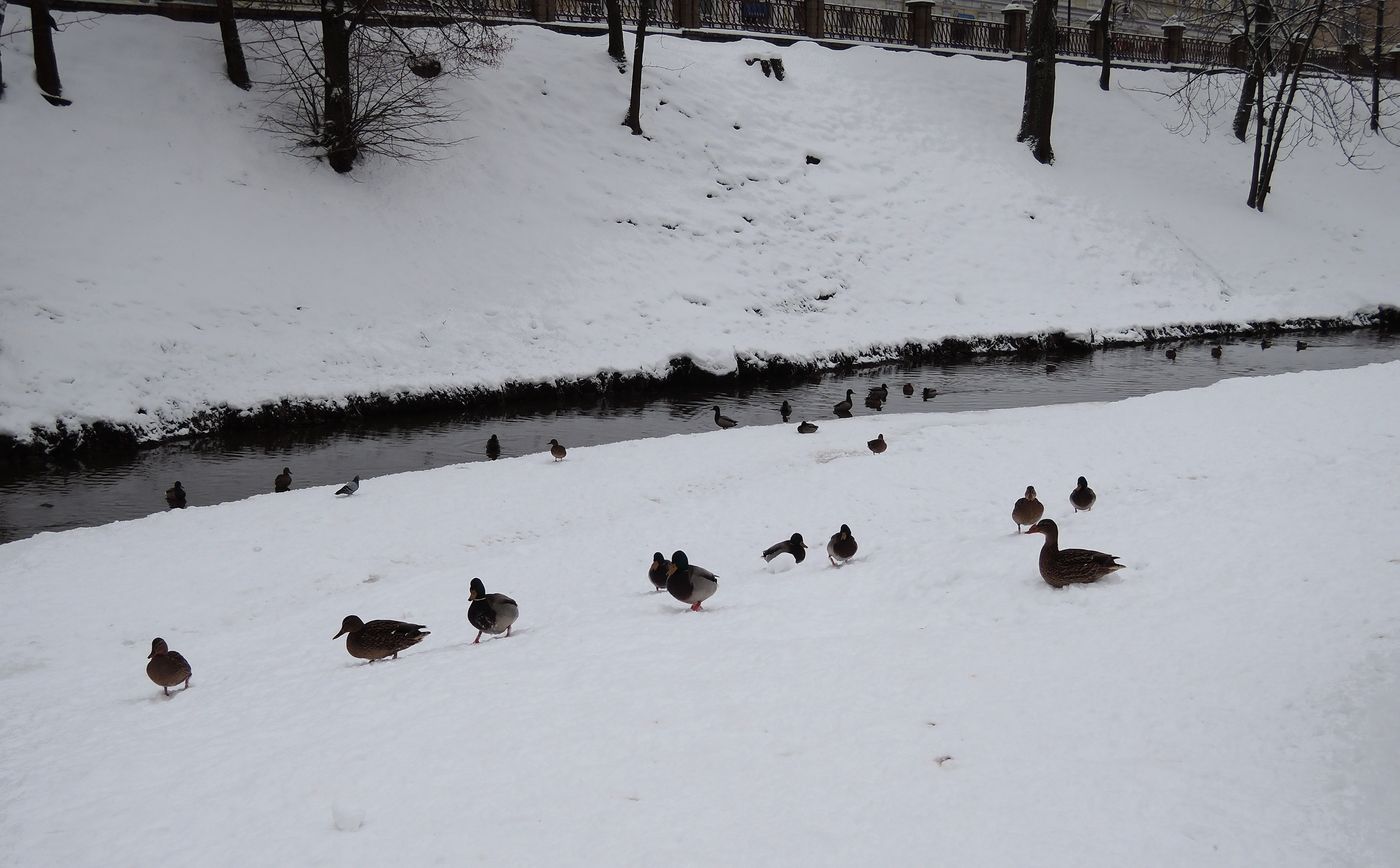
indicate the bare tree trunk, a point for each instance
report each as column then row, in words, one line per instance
column 1257, row 96
column 1039, row 107
column 1106, row 22
column 616, row 50
column 3, row 4
column 337, row 129
column 1246, row 104
column 233, row 48
column 1283, row 105
column 1376, row 67
column 634, row 107
column 45, row 60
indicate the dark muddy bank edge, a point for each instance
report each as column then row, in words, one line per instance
column 107, row 441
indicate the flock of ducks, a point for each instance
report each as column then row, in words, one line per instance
column 691, row 584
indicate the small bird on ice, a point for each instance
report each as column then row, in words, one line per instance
column 350, row 487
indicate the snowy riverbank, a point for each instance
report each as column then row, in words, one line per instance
column 1227, row 700
column 162, row 260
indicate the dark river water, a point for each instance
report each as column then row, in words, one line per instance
column 216, row 469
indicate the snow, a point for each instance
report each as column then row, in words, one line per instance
column 1228, row 699
column 162, row 257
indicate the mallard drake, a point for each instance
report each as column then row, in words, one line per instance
column 842, row 546
column 881, row 391
column 378, row 639
column 350, row 487
column 806, row 428
column 930, row 393
column 793, row 545
column 907, row 389
column 1050, row 369
column 283, row 482
column 843, row 408
column 1069, row 566
column 786, row 410
column 490, row 613
column 1217, row 351
column 873, row 402
column 175, row 496
column 1027, row 510
column 1083, row 496
column 1265, row 344
column 724, row 421
column 167, row 668
column 1171, row 355
column 557, row 451
column 1302, row 345
column 877, row 445
column 689, row 583
column 659, row 568
column 493, row 448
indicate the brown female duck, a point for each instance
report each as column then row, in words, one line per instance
column 659, row 567
column 167, row 668
column 283, row 482
column 175, row 496
column 378, row 639
column 877, row 445
column 557, row 451
column 1027, row 510
column 1060, row 567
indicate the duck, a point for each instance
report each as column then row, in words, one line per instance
column 873, row 402
column 881, row 391
column 493, row 448
column 877, row 445
column 724, row 421
column 689, row 583
column 1027, row 510
column 930, row 393
column 806, row 428
column 1050, row 369
column 557, row 451
column 842, row 546
column 659, row 567
column 378, row 639
column 1060, row 567
column 1265, row 344
column 175, row 496
column 350, row 487
column 167, row 668
column 1217, row 351
column 1302, row 345
column 843, row 408
column 1171, row 355
column 490, row 613
column 786, row 410
column 908, row 389
column 793, row 545
column 283, row 482
column 1083, row 496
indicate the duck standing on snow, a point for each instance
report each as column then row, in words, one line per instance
column 659, row 568
column 786, row 410
column 175, row 496
column 842, row 546
column 378, row 639
column 689, row 583
column 724, row 421
column 1027, row 510
column 350, row 487
column 167, row 668
column 490, row 613
column 877, row 445
column 793, row 545
column 493, row 448
column 557, row 451
column 843, row 408
column 1083, row 497
column 1070, row 566
column 806, row 428
column 283, row 482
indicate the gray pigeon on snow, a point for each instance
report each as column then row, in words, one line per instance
column 350, row 487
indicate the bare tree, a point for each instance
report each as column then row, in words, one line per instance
column 1038, row 107
column 634, row 104
column 616, row 49
column 233, row 48
column 1296, row 80
column 1105, row 20
column 359, row 81
column 41, row 28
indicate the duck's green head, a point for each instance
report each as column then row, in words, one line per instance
column 678, row 562
column 796, row 539
column 478, row 590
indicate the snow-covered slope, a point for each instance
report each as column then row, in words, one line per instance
column 160, row 256
column 1229, row 699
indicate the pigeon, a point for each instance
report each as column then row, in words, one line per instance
column 350, row 487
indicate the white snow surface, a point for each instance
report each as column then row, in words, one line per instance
column 1229, row 699
column 162, row 256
